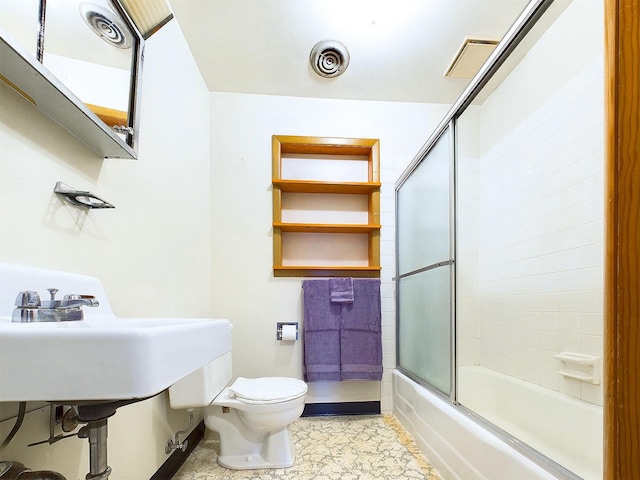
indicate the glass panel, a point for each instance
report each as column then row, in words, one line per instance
column 20, row 19
column 423, row 211
column 424, row 310
column 424, row 298
column 89, row 48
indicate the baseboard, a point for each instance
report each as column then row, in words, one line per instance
column 341, row 408
column 171, row 466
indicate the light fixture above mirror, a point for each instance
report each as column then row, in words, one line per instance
column 148, row 15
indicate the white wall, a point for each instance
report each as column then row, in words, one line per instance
column 245, row 290
column 152, row 253
column 183, row 212
column 531, row 256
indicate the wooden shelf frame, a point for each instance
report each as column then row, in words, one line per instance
column 369, row 149
column 326, row 227
column 314, row 186
column 326, row 271
column 109, row 116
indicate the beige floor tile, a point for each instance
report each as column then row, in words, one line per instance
column 342, row 448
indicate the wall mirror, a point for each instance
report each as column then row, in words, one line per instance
column 87, row 56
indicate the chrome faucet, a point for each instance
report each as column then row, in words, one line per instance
column 29, row 307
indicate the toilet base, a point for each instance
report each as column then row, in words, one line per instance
column 256, row 461
column 249, row 448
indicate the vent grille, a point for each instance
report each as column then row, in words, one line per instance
column 329, row 58
column 106, row 25
column 470, row 57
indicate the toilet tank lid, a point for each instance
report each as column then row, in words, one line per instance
column 267, row 389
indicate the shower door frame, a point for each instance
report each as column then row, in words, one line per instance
column 518, row 31
column 451, row 263
column 622, row 258
column 523, row 25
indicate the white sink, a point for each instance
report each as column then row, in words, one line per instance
column 105, row 358
column 102, row 357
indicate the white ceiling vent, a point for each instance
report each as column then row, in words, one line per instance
column 106, row 25
column 471, row 56
column 329, row 58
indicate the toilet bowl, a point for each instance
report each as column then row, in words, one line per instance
column 252, row 415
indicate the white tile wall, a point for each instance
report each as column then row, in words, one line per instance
column 530, row 227
column 390, row 170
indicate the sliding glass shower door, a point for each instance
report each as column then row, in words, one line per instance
column 425, row 269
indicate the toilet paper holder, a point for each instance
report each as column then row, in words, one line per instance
column 279, row 326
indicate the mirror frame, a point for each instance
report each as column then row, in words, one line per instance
column 133, row 118
column 23, row 72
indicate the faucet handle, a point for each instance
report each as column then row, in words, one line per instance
column 52, row 302
column 28, row 299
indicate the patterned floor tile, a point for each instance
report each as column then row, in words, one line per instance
column 327, row 448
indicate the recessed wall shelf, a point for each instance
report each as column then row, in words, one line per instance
column 319, row 228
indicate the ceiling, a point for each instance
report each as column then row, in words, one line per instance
column 399, row 49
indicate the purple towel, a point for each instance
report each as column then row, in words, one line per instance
column 321, row 356
column 341, row 290
column 360, row 355
column 342, row 341
column 319, row 313
column 321, row 332
column 365, row 312
column 361, row 337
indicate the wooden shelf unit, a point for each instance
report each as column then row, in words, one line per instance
column 327, row 147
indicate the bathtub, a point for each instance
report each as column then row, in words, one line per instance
column 462, row 449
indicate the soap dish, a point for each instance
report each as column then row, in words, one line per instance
column 80, row 198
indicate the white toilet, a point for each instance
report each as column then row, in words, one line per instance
column 252, row 415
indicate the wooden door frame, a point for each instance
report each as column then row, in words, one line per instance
column 622, row 239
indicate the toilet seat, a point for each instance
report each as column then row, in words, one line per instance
column 267, row 390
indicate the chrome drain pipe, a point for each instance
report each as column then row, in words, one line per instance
column 96, row 432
